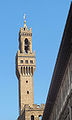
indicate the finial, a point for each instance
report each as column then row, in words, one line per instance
column 24, row 16
column 24, row 19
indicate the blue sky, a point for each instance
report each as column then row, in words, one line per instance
column 47, row 19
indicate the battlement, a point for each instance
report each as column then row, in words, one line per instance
column 24, row 30
column 34, row 107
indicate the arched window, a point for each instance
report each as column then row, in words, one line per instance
column 32, row 70
column 21, row 70
column 40, row 117
column 27, row 44
column 32, row 117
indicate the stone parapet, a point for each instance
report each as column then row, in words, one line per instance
column 35, row 110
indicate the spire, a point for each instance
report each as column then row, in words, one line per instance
column 25, row 22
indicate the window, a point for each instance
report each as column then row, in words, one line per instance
column 27, row 45
column 27, row 92
column 31, row 61
column 40, row 117
column 26, row 81
column 21, row 61
column 26, row 61
column 32, row 117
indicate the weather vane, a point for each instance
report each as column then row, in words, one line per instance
column 24, row 18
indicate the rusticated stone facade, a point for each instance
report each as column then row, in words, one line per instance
column 25, row 67
column 63, row 103
column 59, row 100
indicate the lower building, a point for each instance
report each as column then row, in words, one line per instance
column 32, row 113
column 59, row 100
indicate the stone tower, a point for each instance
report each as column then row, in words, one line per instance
column 25, row 67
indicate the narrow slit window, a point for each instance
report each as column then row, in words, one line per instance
column 27, row 92
column 26, row 81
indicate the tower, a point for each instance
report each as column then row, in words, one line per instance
column 25, row 67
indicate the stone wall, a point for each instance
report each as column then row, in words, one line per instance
column 62, row 110
column 36, row 111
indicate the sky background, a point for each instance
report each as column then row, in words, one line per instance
column 47, row 19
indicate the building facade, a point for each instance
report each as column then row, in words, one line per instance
column 59, row 100
column 25, row 67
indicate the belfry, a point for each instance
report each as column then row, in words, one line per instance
column 25, row 67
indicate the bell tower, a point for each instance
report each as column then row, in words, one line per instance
column 25, row 67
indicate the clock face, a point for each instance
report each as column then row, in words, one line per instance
column 27, row 45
